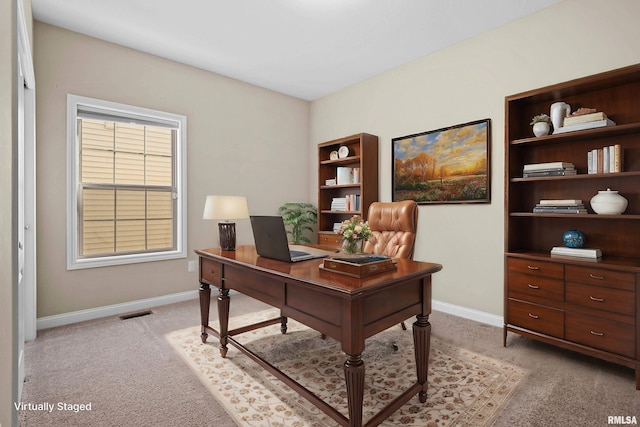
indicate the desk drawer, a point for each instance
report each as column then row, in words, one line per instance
column 211, row 272
column 602, row 298
column 538, row 286
column 600, row 333
column 537, row 268
column 601, row 277
column 537, row 318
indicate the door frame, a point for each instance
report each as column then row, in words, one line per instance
column 25, row 329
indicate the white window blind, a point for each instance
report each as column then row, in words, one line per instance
column 128, row 185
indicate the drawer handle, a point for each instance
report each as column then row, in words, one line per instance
column 596, row 277
column 596, row 299
column 533, row 286
column 533, row 267
column 533, row 316
column 598, row 334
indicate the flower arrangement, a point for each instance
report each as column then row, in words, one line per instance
column 354, row 232
column 540, row 118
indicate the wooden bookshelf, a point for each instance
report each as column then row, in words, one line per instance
column 362, row 154
column 589, row 306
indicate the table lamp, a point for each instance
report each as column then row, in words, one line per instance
column 226, row 208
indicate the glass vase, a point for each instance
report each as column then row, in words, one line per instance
column 354, row 246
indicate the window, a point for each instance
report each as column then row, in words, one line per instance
column 126, row 184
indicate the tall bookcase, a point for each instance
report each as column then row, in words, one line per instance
column 590, row 306
column 359, row 152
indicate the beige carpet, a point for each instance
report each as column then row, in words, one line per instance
column 465, row 388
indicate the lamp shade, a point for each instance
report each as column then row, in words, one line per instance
column 225, row 208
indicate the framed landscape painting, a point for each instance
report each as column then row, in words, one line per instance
column 449, row 165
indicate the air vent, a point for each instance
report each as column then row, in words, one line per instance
column 136, row 314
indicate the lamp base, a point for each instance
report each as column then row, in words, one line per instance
column 227, row 232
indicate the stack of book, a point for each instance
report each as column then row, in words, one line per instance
column 566, row 206
column 605, row 159
column 585, row 121
column 330, row 181
column 351, row 202
column 339, row 204
column 576, row 252
column 548, row 169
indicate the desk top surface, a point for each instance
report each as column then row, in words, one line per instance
column 310, row 272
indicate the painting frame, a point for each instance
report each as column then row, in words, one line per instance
column 450, row 165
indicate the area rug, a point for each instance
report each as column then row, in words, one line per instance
column 465, row 388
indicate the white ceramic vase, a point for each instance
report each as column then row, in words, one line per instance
column 541, row 128
column 608, row 202
column 559, row 110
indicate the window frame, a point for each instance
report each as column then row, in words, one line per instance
column 74, row 104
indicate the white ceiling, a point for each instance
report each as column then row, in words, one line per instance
column 303, row 48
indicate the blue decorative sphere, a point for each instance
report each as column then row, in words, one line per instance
column 573, row 238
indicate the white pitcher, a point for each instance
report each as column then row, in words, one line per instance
column 559, row 110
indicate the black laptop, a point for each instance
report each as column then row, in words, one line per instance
column 271, row 240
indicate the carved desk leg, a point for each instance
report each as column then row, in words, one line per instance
column 205, row 299
column 354, row 377
column 422, row 345
column 223, row 317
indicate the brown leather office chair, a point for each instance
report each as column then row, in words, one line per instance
column 394, row 226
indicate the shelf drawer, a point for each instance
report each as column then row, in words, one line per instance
column 536, row 268
column 603, row 334
column 601, row 298
column 329, row 239
column 543, row 287
column 537, row 318
column 210, row 272
column 601, row 277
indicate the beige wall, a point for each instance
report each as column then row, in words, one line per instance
column 242, row 140
column 238, row 132
column 469, row 82
column 7, row 64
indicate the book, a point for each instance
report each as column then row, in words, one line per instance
column 548, row 165
column 586, row 125
column 560, row 202
column 557, row 172
column 344, row 175
column 577, row 252
column 560, row 210
column 561, row 207
column 572, row 120
column 617, row 158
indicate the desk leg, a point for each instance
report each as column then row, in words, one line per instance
column 223, row 317
column 421, row 345
column 205, row 299
column 354, row 377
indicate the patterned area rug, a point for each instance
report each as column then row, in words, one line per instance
column 465, row 389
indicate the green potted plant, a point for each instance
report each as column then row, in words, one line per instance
column 301, row 217
column 541, row 124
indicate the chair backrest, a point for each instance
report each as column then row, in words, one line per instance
column 394, row 226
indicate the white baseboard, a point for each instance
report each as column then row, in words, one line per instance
column 468, row 313
column 112, row 310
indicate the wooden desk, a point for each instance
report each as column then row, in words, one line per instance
column 344, row 308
